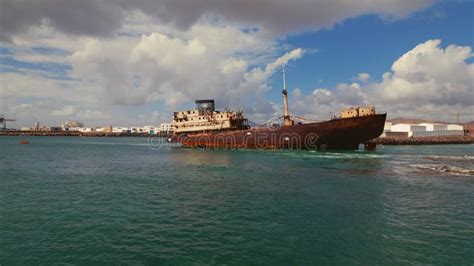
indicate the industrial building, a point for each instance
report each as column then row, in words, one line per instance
column 403, row 130
column 41, row 128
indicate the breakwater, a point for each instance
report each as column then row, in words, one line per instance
column 467, row 139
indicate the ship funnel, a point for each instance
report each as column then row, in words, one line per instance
column 205, row 106
column 286, row 115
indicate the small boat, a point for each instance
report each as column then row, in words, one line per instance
column 24, row 141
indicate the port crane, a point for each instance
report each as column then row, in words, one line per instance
column 4, row 121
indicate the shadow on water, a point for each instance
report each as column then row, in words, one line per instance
column 358, row 162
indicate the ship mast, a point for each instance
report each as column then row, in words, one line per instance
column 286, row 116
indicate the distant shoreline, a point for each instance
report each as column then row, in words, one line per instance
column 76, row 134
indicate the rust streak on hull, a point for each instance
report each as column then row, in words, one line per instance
column 343, row 133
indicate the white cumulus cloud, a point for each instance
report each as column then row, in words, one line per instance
column 179, row 69
column 426, row 82
column 429, row 74
column 363, row 77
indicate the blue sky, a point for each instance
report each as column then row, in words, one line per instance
column 370, row 44
column 132, row 65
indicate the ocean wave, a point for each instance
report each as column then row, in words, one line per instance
column 456, row 170
column 449, row 158
column 328, row 155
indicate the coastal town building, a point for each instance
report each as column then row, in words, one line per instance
column 107, row 129
column 70, row 126
column 86, row 129
column 72, row 129
column 166, row 128
column 150, row 130
column 121, row 130
column 136, row 129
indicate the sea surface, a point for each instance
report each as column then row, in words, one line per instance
column 133, row 201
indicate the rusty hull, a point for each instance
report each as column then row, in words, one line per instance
column 342, row 133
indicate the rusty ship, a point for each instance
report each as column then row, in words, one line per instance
column 205, row 127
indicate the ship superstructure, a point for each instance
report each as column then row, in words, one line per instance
column 204, row 118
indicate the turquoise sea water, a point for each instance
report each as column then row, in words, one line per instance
column 116, row 200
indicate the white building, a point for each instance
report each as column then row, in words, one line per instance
column 120, row 130
column 434, row 127
column 438, row 133
column 74, row 129
column 107, row 129
column 166, row 127
column 136, row 129
column 408, row 128
column 387, row 130
column 455, row 127
column 427, row 130
column 150, row 129
column 86, row 129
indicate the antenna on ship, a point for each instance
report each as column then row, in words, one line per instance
column 286, row 115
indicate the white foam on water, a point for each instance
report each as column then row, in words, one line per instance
column 442, row 168
column 328, row 155
column 449, row 157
